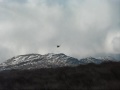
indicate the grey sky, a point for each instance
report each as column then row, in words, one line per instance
column 81, row 27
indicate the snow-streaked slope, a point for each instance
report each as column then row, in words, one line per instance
column 107, row 58
column 91, row 60
column 99, row 60
column 30, row 61
column 21, row 58
column 50, row 60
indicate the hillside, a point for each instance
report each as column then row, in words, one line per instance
column 83, row 77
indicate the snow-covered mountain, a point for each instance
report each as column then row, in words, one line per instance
column 32, row 61
column 91, row 60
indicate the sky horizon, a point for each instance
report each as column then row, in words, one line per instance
column 81, row 27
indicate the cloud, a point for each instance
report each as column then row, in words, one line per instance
column 113, row 42
column 116, row 44
column 81, row 27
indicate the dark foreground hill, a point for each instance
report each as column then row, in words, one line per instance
column 84, row 77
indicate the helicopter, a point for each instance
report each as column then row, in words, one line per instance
column 58, row 46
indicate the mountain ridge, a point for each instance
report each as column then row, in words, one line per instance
column 50, row 60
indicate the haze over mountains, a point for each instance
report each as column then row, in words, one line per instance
column 51, row 60
column 82, row 27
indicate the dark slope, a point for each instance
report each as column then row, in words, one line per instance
column 84, row 77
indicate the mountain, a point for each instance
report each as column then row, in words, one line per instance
column 91, row 60
column 31, row 61
column 50, row 60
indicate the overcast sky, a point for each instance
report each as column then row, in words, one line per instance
column 82, row 27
